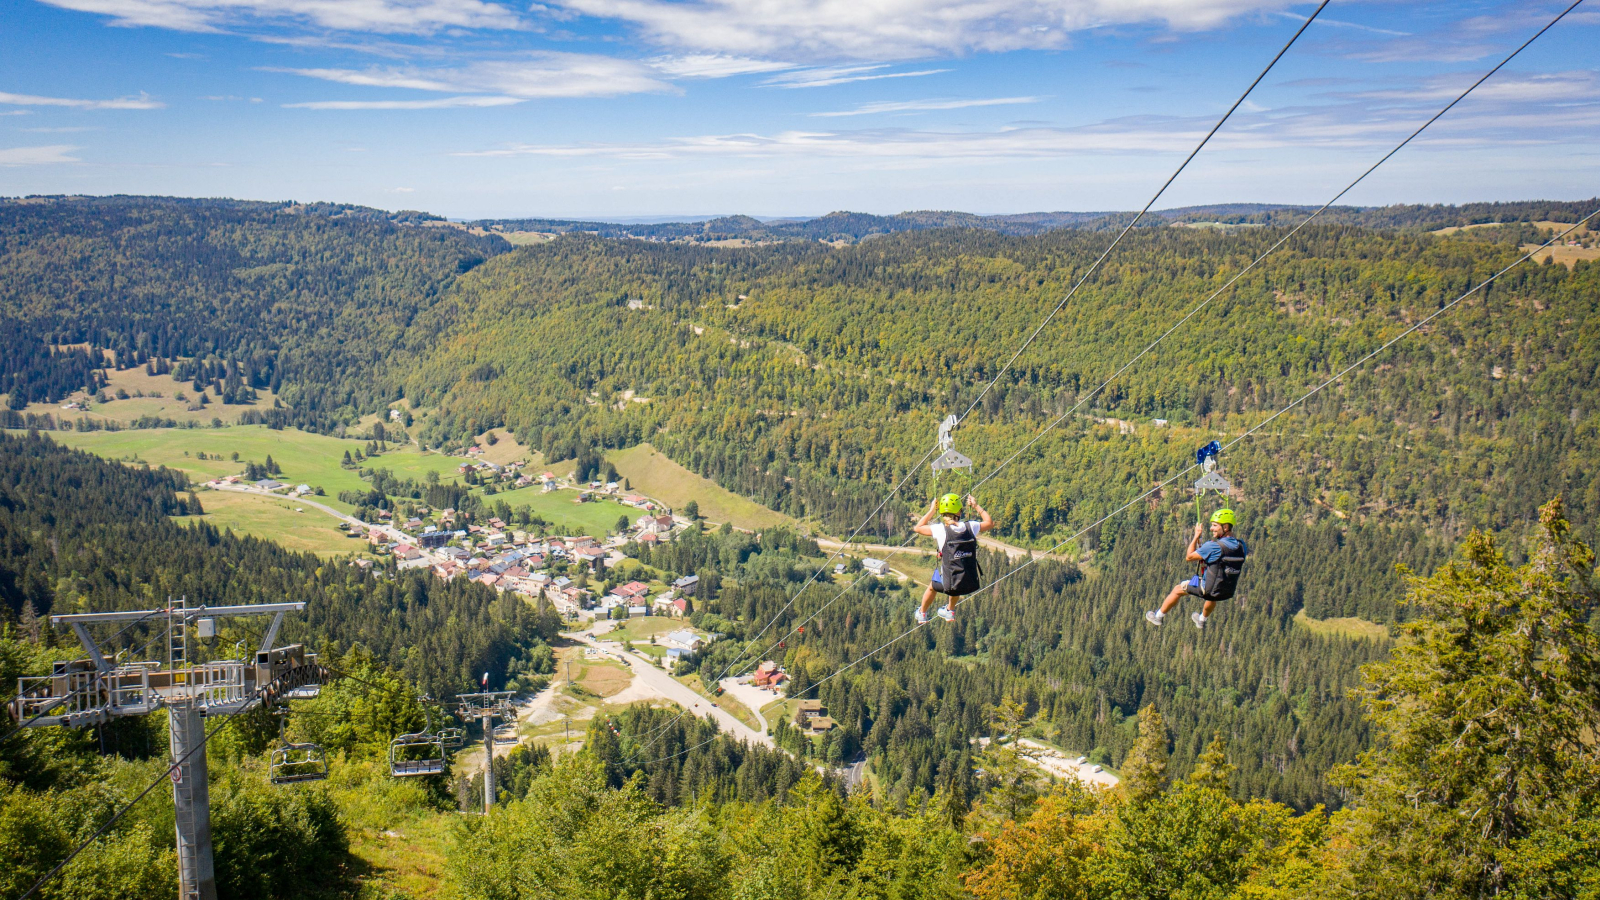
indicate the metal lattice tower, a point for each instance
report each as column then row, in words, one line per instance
column 487, row 707
column 83, row 692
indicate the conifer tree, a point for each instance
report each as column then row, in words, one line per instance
column 1144, row 773
column 1485, row 714
column 1212, row 768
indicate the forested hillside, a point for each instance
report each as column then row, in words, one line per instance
column 266, row 294
column 78, row 533
column 815, row 393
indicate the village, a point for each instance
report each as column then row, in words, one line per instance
column 599, row 588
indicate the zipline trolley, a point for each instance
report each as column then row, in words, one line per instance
column 1207, row 458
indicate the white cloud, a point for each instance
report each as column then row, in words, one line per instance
column 830, row 75
column 715, row 65
column 442, row 103
column 37, row 156
column 1579, row 86
column 924, row 105
column 142, row 101
column 895, row 29
column 381, row 16
column 533, row 76
column 1357, row 126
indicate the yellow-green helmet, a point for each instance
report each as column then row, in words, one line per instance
column 950, row 504
column 1223, row 517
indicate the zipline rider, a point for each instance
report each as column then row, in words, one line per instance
column 1222, row 560
column 957, row 574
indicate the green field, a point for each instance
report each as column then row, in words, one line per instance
column 597, row 518
column 641, row 629
column 651, row 473
column 275, row 519
column 1353, row 628
column 304, row 457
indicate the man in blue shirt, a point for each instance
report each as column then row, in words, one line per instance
column 1222, row 560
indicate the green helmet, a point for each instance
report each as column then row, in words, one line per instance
column 1223, row 517
column 950, row 504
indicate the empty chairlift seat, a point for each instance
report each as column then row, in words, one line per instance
column 416, row 754
column 296, row 763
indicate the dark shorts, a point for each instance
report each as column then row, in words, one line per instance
column 938, row 585
column 1193, row 589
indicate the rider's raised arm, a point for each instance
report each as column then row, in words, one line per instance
column 985, row 521
column 922, row 527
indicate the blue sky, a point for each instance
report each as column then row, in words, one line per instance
column 479, row 108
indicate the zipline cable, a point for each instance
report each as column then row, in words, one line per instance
column 1042, row 324
column 1130, row 226
column 1207, row 301
column 1296, row 402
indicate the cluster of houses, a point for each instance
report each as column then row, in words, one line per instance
column 511, row 560
column 271, row 485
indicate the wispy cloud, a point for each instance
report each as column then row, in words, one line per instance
column 1356, row 125
column 37, row 156
column 924, row 105
column 378, row 16
column 497, row 82
column 1339, row 23
column 830, row 75
column 715, row 65
column 894, row 29
column 441, row 103
column 142, row 101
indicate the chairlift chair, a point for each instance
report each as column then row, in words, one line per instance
column 454, row 738
column 293, row 763
column 416, row 754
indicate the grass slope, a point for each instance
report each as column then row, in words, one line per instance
column 305, row 457
column 652, row 473
column 597, row 518
column 274, row 519
column 1352, row 628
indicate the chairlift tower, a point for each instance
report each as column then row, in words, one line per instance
column 487, row 707
column 83, row 692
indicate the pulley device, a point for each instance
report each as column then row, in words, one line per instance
column 1208, row 458
column 949, row 457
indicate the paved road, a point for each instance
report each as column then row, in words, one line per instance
column 658, row 680
column 751, row 696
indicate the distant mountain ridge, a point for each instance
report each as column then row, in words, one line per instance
column 855, row 226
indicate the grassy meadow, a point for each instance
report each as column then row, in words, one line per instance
column 276, row 519
column 650, row 472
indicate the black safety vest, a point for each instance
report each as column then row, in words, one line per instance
column 1219, row 579
column 958, row 560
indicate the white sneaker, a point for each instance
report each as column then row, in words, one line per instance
column 1198, row 620
column 921, row 617
column 1154, row 617
column 946, row 614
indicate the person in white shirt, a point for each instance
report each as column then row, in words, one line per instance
column 958, row 573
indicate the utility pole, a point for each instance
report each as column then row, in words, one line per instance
column 486, row 707
column 84, row 692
